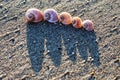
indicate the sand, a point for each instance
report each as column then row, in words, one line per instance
column 46, row 51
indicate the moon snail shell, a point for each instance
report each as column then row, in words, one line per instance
column 34, row 15
column 51, row 15
column 65, row 18
column 77, row 22
column 88, row 25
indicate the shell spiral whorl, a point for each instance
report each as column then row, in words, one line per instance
column 51, row 15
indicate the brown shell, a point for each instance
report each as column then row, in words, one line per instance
column 65, row 18
column 34, row 15
column 77, row 22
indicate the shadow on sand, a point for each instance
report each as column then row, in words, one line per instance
column 54, row 34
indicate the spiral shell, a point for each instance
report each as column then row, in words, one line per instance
column 51, row 15
column 65, row 18
column 88, row 25
column 34, row 15
column 77, row 22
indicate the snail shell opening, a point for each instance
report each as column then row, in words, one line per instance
column 31, row 17
column 47, row 16
column 74, row 22
column 62, row 18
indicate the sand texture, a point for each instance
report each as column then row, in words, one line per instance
column 46, row 51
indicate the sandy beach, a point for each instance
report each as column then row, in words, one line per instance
column 47, row 51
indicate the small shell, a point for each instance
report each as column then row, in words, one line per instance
column 77, row 22
column 65, row 18
column 34, row 15
column 88, row 25
column 51, row 15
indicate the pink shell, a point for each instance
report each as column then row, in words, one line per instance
column 51, row 15
column 34, row 15
column 88, row 25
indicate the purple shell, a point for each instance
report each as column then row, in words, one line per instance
column 88, row 25
column 51, row 15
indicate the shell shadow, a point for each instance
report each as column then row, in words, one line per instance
column 35, row 44
column 84, row 41
column 68, row 37
column 88, row 46
column 36, row 35
column 57, row 35
column 53, row 43
column 81, row 40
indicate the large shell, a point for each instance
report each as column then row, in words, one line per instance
column 88, row 25
column 51, row 15
column 77, row 22
column 65, row 18
column 34, row 15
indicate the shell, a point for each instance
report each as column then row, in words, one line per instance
column 65, row 18
column 34, row 15
column 77, row 22
column 51, row 15
column 88, row 25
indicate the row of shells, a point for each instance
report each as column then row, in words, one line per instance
column 35, row 15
